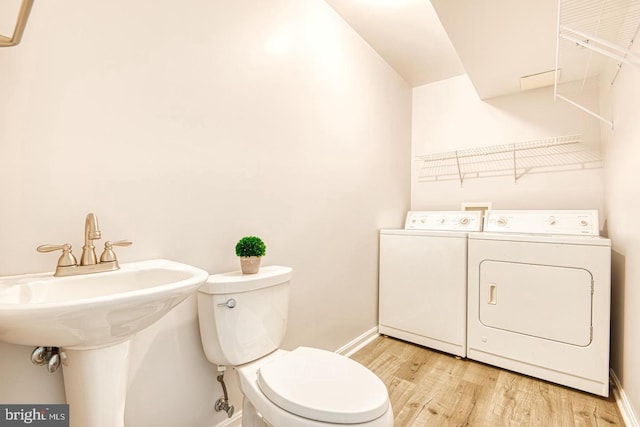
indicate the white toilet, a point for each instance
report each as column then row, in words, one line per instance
column 243, row 319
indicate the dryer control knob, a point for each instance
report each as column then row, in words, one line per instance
column 552, row 220
column 502, row 221
column 584, row 223
column 464, row 220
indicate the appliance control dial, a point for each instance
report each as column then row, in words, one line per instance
column 559, row 222
column 443, row 221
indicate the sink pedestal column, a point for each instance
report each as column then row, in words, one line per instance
column 95, row 383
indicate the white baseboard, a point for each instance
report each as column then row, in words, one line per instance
column 235, row 421
column 626, row 410
column 356, row 344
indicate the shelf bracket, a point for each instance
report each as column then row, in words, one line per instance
column 459, row 169
column 515, row 166
column 586, row 110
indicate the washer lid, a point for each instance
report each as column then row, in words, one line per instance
column 323, row 386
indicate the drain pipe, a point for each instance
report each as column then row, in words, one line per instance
column 222, row 404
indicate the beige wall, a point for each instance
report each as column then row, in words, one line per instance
column 622, row 204
column 448, row 115
column 184, row 126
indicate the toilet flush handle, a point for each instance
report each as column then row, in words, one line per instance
column 230, row 303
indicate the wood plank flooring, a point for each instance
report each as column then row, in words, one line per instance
column 429, row 388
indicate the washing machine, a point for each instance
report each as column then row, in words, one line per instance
column 423, row 279
column 539, row 291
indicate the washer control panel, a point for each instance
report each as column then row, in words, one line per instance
column 564, row 222
column 444, row 220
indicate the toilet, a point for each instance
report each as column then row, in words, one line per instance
column 243, row 318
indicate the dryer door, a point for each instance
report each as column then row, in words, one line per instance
column 543, row 301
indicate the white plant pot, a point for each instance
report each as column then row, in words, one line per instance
column 250, row 264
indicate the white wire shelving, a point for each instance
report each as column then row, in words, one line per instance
column 594, row 37
column 515, row 160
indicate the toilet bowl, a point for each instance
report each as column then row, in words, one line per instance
column 242, row 322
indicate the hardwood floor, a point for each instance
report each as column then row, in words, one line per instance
column 429, row 388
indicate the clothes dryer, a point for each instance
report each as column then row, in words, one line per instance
column 423, row 279
column 539, row 286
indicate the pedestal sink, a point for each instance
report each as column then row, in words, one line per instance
column 92, row 319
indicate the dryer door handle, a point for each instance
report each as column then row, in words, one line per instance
column 493, row 294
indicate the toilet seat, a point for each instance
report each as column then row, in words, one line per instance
column 323, row 386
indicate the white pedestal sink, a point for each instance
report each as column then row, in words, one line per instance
column 92, row 318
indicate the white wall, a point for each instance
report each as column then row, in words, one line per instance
column 622, row 204
column 448, row 115
column 184, row 126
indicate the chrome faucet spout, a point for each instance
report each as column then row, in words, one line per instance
column 91, row 233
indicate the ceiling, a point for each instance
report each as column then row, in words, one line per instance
column 495, row 42
column 407, row 34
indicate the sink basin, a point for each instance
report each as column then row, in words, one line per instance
column 92, row 310
column 93, row 317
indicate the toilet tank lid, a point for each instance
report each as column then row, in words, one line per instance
column 235, row 281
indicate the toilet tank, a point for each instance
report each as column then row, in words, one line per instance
column 243, row 317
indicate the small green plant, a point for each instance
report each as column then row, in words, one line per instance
column 250, row 246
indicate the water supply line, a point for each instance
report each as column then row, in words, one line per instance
column 222, row 404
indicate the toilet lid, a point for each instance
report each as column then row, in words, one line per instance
column 323, row 386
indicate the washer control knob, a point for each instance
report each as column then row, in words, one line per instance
column 552, row 220
column 464, row 220
column 584, row 223
column 442, row 220
column 502, row 221
column 423, row 220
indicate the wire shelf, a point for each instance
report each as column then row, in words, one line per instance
column 606, row 28
column 517, row 159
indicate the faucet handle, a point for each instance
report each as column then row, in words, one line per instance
column 66, row 259
column 108, row 254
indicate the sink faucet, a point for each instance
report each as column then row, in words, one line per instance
column 91, row 233
column 67, row 264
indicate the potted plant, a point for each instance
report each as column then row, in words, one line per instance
column 250, row 249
